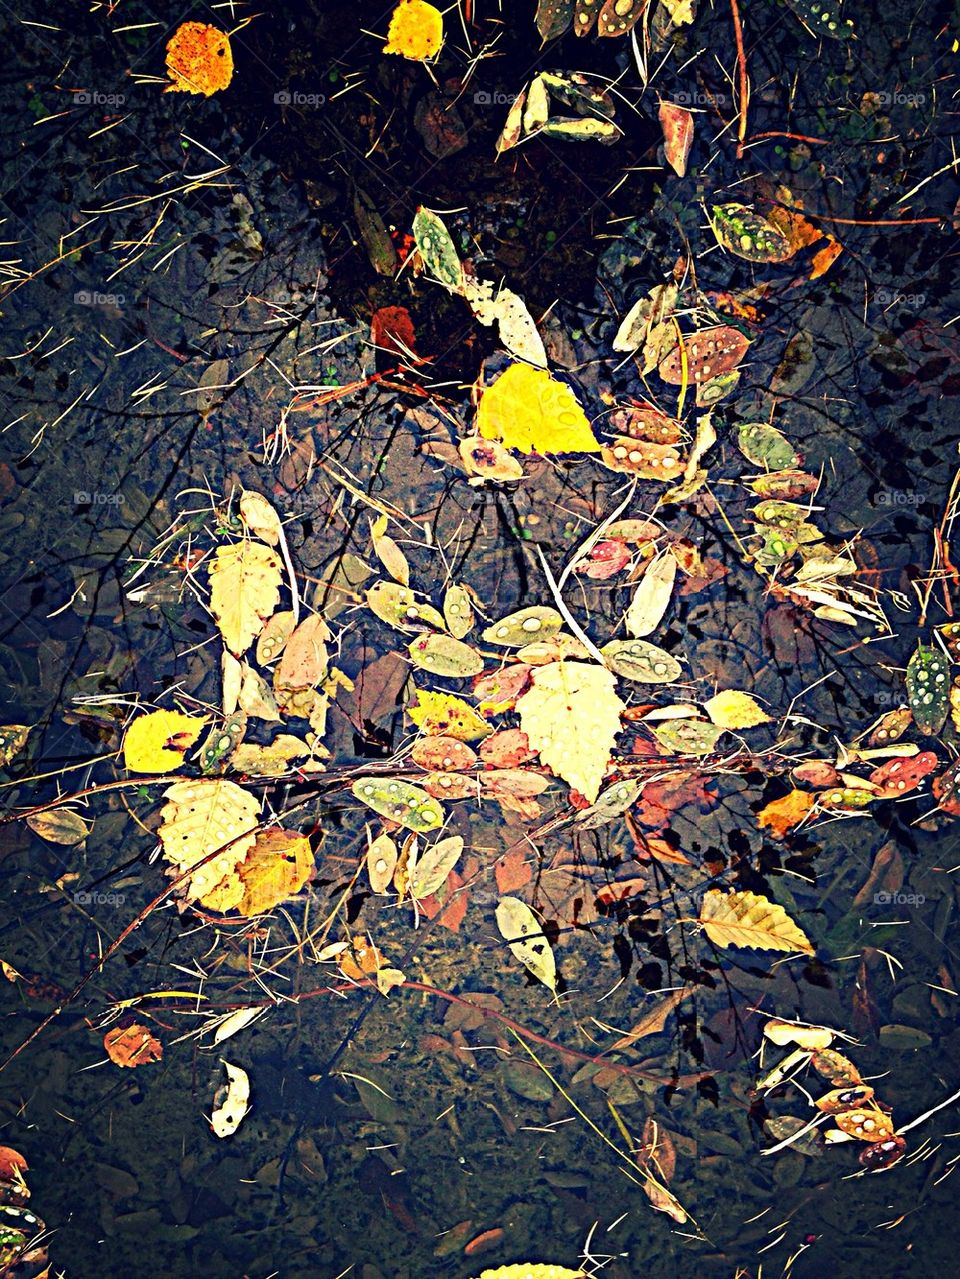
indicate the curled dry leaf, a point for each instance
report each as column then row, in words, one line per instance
column 132, row 1046
column 260, row 518
column 489, row 460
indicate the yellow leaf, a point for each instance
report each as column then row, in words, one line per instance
column 571, row 716
column 444, row 715
column 750, row 921
column 733, row 709
column 521, row 929
column 415, row 31
column 244, row 591
column 199, row 59
column 532, row 1270
column 156, row 743
column 277, row 867
column 529, row 410
column 781, row 815
column 200, row 818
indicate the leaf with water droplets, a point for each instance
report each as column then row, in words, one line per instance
column 400, row 802
column 928, row 688
column 517, row 629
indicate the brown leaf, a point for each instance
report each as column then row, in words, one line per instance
column 513, row 870
column 677, row 125
column 132, row 1045
column 886, row 875
column 652, row 1022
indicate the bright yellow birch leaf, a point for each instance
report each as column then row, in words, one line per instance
column 244, row 591
column 733, row 709
column 750, row 921
column 523, row 932
column 444, row 715
column 532, row 1270
column 529, row 410
column 571, row 716
column 277, row 867
column 156, row 743
column 415, row 31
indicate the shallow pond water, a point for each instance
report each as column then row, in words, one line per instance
column 187, row 306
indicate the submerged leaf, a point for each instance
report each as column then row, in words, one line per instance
column 523, row 932
column 199, row 59
column 747, row 920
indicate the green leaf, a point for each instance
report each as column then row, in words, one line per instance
column 437, row 249
column 688, row 736
column 444, row 655
column 400, row 802
column 749, row 235
column 642, row 661
column 766, row 446
column 928, row 688
column 520, row 628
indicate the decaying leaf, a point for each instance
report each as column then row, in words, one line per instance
column 457, row 611
column 508, row 311
column 244, row 591
column 688, row 736
column 397, row 605
column 59, row 826
column 488, row 460
column 232, row 1104
column 706, row 354
column 131, row 1046
column 277, row 867
column 780, row 816
column 748, row 920
column 157, row 742
column 199, row 59
column 749, row 235
column 528, row 410
column 571, row 715
column 12, row 740
column 259, row 517
column 443, row 754
column 445, row 715
column 523, row 932
column 677, row 125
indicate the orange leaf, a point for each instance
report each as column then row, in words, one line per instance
column 781, row 815
column 677, row 125
column 132, row 1046
column 277, row 867
column 415, row 31
column 199, row 59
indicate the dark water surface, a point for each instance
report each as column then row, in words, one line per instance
column 186, row 281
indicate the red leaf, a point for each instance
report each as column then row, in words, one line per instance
column 898, row 776
column 392, row 329
column 513, row 870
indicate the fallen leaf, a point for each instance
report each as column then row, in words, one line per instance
column 445, row 715
column 735, row 710
column 415, row 31
column 523, row 932
column 132, row 1046
column 244, row 591
column 748, row 920
column 157, row 742
column 199, row 59
column 513, row 870
column 652, row 597
column 229, row 1114
column 886, row 876
column 528, row 410
column 276, row 868
column 201, row 817
column 677, row 125
column 780, row 816
column 571, row 716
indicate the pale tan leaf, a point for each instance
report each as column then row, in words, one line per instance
column 244, row 591
column 59, row 826
column 430, row 871
column 652, row 597
column 388, row 552
column 260, row 517
column 571, row 715
column 231, row 678
column 751, row 921
column 521, row 929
